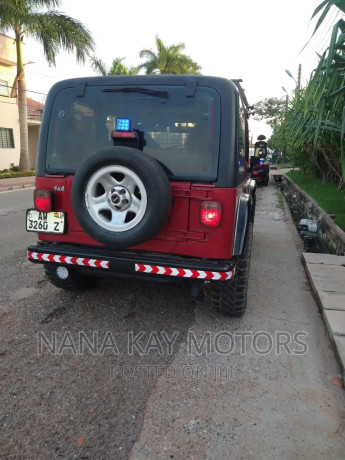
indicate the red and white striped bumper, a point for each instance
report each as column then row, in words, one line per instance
column 81, row 261
column 127, row 263
column 185, row 273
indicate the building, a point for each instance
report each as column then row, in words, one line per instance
column 9, row 119
column 35, row 110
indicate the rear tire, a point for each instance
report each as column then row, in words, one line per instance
column 73, row 282
column 230, row 297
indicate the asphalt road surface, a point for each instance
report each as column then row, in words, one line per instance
column 145, row 371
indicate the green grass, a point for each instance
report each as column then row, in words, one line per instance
column 325, row 194
column 9, row 174
column 284, row 165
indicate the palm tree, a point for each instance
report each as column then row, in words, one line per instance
column 168, row 60
column 55, row 31
column 116, row 68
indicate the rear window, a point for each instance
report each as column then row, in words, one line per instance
column 180, row 131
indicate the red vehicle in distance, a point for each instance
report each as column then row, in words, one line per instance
column 259, row 166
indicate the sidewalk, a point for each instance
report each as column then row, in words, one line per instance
column 15, row 183
column 326, row 273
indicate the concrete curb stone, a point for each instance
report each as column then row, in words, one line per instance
column 15, row 183
column 326, row 273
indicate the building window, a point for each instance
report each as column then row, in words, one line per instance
column 4, row 88
column 6, row 138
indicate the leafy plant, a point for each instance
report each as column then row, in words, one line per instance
column 9, row 174
column 313, row 127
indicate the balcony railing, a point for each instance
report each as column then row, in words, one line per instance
column 34, row 114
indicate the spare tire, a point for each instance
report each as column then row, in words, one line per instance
column 121, row 197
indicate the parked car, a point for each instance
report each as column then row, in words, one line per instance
column 146, row 177
column 259, row 165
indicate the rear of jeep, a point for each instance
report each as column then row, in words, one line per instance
column 145, row 176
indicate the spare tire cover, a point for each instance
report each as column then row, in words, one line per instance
column 121, row 197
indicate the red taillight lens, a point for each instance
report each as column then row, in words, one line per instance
column 211, row 213
column 124, row 134
column 256, row 173
column 43, row 200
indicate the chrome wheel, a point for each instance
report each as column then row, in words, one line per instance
column 116, row 198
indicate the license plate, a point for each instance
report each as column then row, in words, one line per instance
column 45, row 222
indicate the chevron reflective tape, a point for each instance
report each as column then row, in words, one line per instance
column 185, row 273
column 81, row 261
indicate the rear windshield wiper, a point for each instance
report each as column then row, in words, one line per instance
column 129, row 89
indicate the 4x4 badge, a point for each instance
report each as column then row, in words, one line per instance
column 59, row 189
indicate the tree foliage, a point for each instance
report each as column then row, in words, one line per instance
column 168, row 60
column 272, row 110
column 313, row 128
column 40, row 20
column 53, row 29
column 324, row 8
column 117, row 67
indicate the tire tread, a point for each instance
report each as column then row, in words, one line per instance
column 230, row 297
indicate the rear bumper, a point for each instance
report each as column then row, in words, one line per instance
column 104, row 262
column 261, row 174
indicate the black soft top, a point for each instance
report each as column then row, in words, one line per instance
column 230, row 92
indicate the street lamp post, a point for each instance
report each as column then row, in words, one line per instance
column 298, row 82
column 287, row 105
column 298, row 87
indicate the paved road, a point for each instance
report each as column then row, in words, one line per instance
column 14, row 201
column 144, row 371
column 13, row 237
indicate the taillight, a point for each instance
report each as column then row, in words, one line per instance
column 43, row 200
column 211, row 213
column 256, row 172
column 124, row 134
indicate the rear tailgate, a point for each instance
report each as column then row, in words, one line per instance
column 183, row 233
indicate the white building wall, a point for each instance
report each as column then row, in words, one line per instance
column 9, row 118
column 8, row 106
column 8, row 50
column 33, row 145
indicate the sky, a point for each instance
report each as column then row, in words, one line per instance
column 249, row 39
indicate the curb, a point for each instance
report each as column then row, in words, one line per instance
column 326, row 273
column 15, row 187
column 333, row 233
column 16, row 183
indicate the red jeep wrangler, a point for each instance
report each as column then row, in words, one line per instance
column 145, row 176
